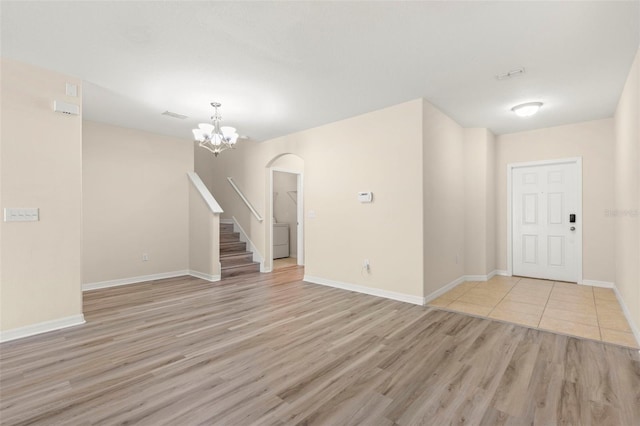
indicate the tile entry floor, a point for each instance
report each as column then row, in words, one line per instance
column 565, row 308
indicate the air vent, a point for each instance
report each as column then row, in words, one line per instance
column 175, row 115
column 513, row 73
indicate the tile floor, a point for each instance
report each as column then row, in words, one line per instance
column 566, row 308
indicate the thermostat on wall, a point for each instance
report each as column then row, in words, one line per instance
column 365, row 197
column 66, row 108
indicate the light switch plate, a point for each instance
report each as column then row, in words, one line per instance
column 21, row 214
column 71, row 89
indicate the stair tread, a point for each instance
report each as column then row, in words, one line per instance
column 235, row 254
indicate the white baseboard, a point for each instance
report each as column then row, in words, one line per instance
column 133, row 280
column 207, row 277
column 442, row 290
column 501, row 272
column 460, row 280
column 481, row 277
column 41, row 327
column 257, row 257
column 594, row 283
column 416, row 300
column 627, row 314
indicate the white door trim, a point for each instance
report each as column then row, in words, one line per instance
column 572, row 160
column 299, row 213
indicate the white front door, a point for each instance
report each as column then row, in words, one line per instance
column 545, row 233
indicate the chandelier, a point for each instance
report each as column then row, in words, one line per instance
column 214, row 137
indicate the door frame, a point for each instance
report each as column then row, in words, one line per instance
column 299, row 213
column 510, row 167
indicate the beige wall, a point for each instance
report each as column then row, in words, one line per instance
column 135, row 201
column 379, row 152
column 204, row 237
column 479, row 195
column 443, row 198
column 627, row 193
column 593, row 141
column 491, row 219
column 41, row 155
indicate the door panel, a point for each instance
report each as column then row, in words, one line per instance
column 543, row 244
column 530, row 209
column 555, row 250
column 530, row 249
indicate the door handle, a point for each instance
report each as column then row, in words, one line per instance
column 573, row 228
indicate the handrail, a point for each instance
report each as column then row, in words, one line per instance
column 249, row 205
column 204, row 193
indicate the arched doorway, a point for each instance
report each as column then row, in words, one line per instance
column 284, row 227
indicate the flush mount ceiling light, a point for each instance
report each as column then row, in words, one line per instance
column 214, row 137
column 526, row 110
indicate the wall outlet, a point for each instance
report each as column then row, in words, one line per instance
column 457, row 258
column 366, row 265
column 145, row 257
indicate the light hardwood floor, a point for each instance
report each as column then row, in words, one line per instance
column 268, row 349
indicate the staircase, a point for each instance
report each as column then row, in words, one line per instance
column 234, row 258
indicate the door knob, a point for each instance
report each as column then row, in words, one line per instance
column 573, row 228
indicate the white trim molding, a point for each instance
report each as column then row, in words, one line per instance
column 442, row 290
column 416, row 300
column 502, row 273
column 627, row 314
column 204, row 193
column 481, row 277
column 428, row 298
column 133, row 280
column 41, row 327
column 595, row 283
column 206, row 277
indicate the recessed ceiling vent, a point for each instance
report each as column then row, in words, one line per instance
column 175, row 115
column 513, row 73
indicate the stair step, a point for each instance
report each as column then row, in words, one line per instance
column 235, row 259
column 226, row 227
column 233, row 247
column 234, row 271
column 229, row 237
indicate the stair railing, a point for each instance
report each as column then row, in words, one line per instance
column 243, row 198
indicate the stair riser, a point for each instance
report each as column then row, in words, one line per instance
column 230, row 237
column 235, row 261
column 248, row 269
column 226, row 227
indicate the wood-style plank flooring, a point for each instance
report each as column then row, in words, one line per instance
column 269, row 349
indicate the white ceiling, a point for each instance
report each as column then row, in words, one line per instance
column 280, row 67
